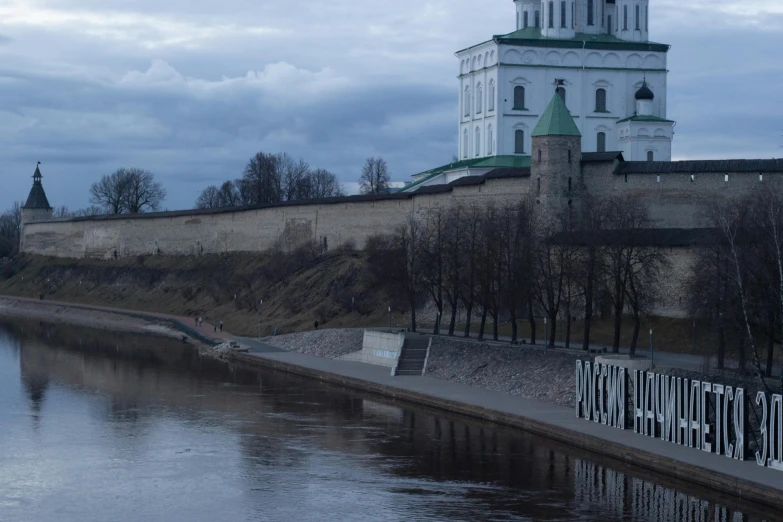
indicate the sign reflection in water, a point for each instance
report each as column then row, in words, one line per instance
column 128, row 427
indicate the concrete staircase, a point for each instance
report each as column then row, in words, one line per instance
column 413, row 357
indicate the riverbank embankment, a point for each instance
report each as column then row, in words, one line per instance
column 742, row 480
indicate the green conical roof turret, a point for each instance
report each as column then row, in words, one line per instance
column 556, row 120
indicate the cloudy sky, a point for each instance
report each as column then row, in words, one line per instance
column 190, row 89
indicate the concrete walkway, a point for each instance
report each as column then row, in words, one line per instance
column 741, row 479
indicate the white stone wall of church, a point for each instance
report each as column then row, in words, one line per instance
column 536, row 69
column 478, row 68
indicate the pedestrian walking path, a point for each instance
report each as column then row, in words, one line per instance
column 206, row 331
column 745, row 479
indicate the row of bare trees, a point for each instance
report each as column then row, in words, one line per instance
column 10, row 228
column 509, row 263
column 272, row 178
column 124, row 191
column 737, row 282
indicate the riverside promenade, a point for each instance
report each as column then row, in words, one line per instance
column 745, row 480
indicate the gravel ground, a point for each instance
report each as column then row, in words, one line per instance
column 329, row 344
column 521, row 371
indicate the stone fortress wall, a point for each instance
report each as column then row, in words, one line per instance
column 676, row 200
column 338, row 220
column 678, row 195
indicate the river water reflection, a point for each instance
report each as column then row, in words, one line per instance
column 105, row 427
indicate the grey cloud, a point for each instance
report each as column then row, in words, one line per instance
column 395, row 95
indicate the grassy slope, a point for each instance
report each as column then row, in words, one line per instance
column 295, row 290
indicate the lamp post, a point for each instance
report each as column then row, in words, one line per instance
column 652, row 353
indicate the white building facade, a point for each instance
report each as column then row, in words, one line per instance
column 595, row 52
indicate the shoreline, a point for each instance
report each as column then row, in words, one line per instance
column 105, row 318
column 744, row 481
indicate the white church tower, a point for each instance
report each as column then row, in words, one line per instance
column 598, row 55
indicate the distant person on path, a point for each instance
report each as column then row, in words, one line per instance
column 316, row 324
column 276, row 331
column 214, row 327
column 200, row 321
column 221, row 326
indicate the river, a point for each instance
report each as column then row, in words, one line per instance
column 98, row 426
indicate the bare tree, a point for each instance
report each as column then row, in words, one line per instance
column 592, row 221
column 645, row 269
column 89, row 211
column 489, row 272
column 209, row 198
column 552, row 264
column 143, row 192
column 454, row 257
column 375, row 178
column 732, row 220
column 434, row 258
column 407, row 241
column 323, row 184
column 516, row 243
column 625, row 217
column 470, row 229
column 109, row 192
column 261, row 181
column 130, row 191
column 294, row 178
column 62, row 212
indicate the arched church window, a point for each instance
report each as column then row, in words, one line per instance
column 478, row 141
column 551, row 16
column 490, row 139
column 590, row 15
column 467, row 101
column 519, row 142
column 609, row 24
column 519, row 98
column 601, row 142
column 491, row 96
column 650, row 155
column 479, row 98
column 600, row 100
column 562, row 92
column 538, row 19
column 625, row 18
column 524, row 20
column 465, row 144
column 638, row 22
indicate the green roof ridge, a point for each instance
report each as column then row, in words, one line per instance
column 556, row 120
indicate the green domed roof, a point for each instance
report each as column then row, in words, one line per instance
column 556, row 120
